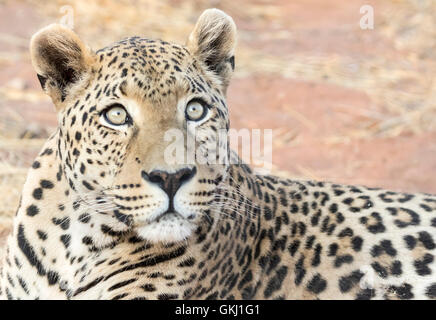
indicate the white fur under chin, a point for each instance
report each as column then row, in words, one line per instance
column 166, row 229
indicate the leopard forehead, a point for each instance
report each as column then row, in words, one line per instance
column 160, row 71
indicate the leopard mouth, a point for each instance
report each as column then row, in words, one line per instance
column 161, row 218
column 165, row 216
column 169, row 226
column 169, row 214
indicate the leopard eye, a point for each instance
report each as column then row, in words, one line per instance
column 116, row 115
column 196, row 110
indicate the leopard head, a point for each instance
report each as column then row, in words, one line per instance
column 143, row 123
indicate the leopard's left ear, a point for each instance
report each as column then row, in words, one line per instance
column 213, row 40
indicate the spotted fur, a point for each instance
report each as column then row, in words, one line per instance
column 90, row 223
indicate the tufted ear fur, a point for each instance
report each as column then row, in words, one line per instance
column 60, row 60
column 213, row 40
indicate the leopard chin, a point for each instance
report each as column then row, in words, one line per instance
column 170, row 227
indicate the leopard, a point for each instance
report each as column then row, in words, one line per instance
column 105, row 214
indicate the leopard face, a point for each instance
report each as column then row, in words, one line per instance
column 140, row 124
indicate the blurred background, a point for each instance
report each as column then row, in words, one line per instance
column 346, row 105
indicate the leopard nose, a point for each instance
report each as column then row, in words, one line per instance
column 169, row 182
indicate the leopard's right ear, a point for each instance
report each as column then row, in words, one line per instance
column 60, row 60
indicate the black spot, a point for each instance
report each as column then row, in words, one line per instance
column 126, row 219
column 340, row 260
column 120, row 296
column 338, row 192
column 66, row 238
column 23, row 285
column 396, row 269
column 300, row 271
column 275, row 283
column 187, row 263
column 59, row 174
column 78, row 136
column 421, row 265
column 64, row 223
column 121, row 284
column 37, row 193
column 82, row 168
column 378, row 227
column 333, row 208
column 317, row 256
column 357, row 243
column 267, row 213
column 414, row 217
column 167, row 296
column 427, row 240
column 84, row 118
column 84, row 218
column 46, row 184
column 213, row 296
column 32, row 210
column 431, row 291
column 246, row 279
column 53, row 278
column 348, row 201
column 114, row 59
column 317, row 284
column 384, row 247
column 135, row 239
column 309, row 242
column 36, row 165
column 42, row 235
column 87, row 185
column 47, row 152
column 403, row 292
column 346, row 283
column 410, row 242
column 148, row 287
column 426, row 207
column 88, row 286
column 388, row 248
column 293, row 247
column 347, row 232
column 381, row 271
column 365, row 294
column 87, row 240
column 76, row 205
